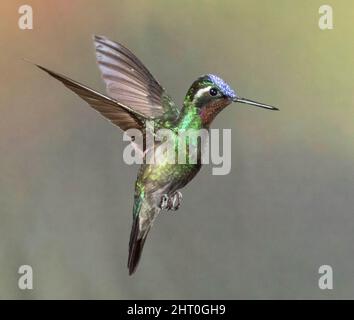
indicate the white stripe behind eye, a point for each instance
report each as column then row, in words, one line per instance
column 201, row 92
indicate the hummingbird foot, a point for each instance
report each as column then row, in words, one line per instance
column 164, row 202
column 172, row 202
column 175, row 200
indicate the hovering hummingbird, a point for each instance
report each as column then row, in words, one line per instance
column 134, row 97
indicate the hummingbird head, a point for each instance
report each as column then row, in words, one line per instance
column 209, row 94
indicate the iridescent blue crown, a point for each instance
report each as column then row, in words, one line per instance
column 223, row 86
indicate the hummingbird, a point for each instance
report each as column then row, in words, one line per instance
column 133, row 97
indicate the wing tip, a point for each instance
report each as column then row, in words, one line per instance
column 35, row 64
column 55, row 75
column 52, row 73
column 98, row 37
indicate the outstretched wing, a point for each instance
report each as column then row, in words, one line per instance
column 130, row 82
column 119, row 114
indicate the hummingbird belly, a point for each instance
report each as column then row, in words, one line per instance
column 168, row 178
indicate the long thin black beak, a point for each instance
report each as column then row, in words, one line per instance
column 254, row 103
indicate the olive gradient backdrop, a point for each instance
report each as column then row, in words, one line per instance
column 262, row 231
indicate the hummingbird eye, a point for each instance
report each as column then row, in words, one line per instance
column 213, row 92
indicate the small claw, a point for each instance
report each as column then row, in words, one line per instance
column 164, row 202
column 170, row 203
column 177, row 200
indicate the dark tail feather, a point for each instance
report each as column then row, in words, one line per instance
column 136, row 245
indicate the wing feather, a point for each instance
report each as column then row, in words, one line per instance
column 119, row 114
column 130, row 82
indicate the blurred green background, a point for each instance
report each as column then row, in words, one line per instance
column 260, row 232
